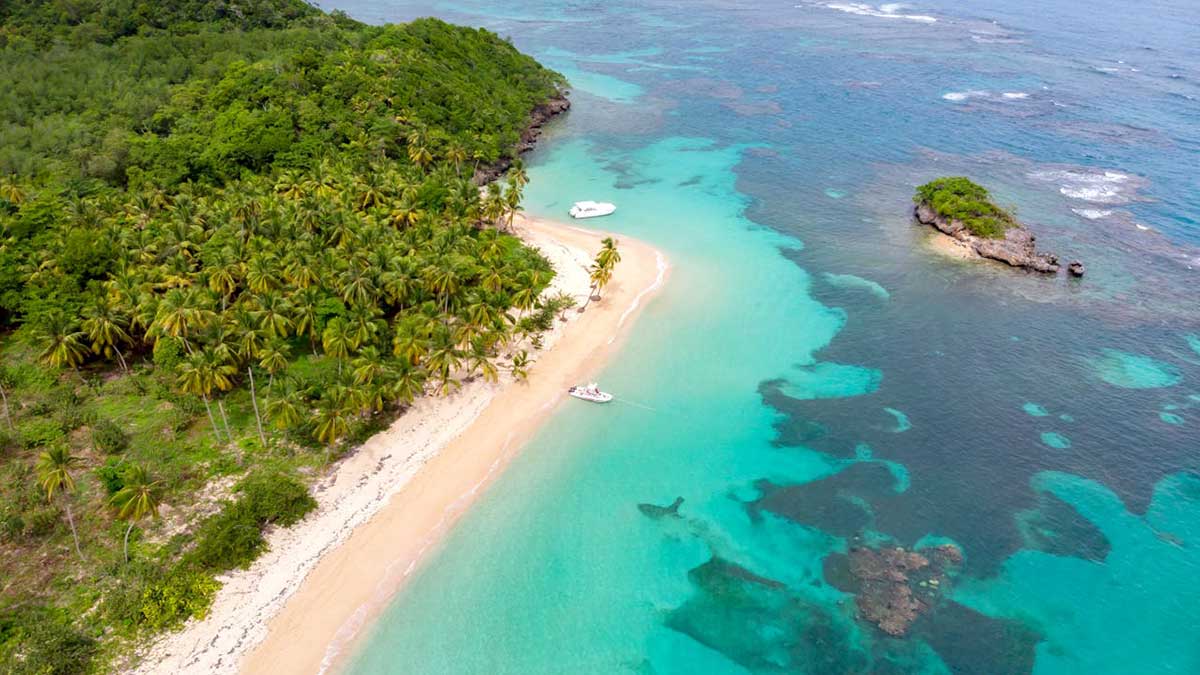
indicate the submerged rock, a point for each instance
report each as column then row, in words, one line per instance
column 895, row 586
column 1016, row 248
column 656, row 511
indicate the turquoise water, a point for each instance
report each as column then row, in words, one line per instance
column 812, row 379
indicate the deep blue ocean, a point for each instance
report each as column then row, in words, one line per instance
column 816, row 377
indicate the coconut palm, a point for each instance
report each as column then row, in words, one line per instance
column 62, row 341
column 136, row 500
column 286, row 408
column 197, row 376
column 333, row 422
column 338, row 340
column 107, row 328
column 54, row 467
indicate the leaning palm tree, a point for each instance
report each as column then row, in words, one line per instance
column 286, row 408
column 54, row 475
column 135, row 501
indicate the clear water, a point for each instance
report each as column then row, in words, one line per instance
column 813, row 377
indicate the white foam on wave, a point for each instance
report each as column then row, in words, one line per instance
column 960, row 96
column 1093, row 214
column 1098, row 187
column 885, row 11
column 964, row 95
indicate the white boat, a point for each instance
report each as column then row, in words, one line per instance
column 591, row 393
column 591, row 209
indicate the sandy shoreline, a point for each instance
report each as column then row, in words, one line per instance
column 301, row 605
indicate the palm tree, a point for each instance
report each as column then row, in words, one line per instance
column 456, row 154
column 287, row 409
column 609, row 256
column 196, row 377
column 338, row 339
column 512, row 202
column 138, row 499
column 368, row 366
column 63, row 341
column 273, row 358
column 54, row 475
column 332, row 422
column 520, row 366
column 254, row 400
column 106, row 328
column 272, row 313
column 5, row 381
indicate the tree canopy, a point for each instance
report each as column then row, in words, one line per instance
column 246, row 230
column 958, row 198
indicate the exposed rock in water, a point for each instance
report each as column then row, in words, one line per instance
column 1016, row 248
column 1075, row 269
column 538, row 118
column 656, row 511
column 894, row 586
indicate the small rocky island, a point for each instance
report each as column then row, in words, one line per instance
column 963, row 210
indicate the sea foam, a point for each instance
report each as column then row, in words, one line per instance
column 1098, row 187
column 886, row 11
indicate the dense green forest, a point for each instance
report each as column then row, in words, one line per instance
column 958, row 198
column 235, row 239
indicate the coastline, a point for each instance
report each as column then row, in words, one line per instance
column 301, row 605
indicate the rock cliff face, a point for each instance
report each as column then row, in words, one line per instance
column 538, row 118
column 1016, row 248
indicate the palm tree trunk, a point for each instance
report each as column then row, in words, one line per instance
column 212, row 420
column 221, row 407
column 7, row 415
column 74, row 533
column 124, row 366
column 254, row 399
column 127, row 531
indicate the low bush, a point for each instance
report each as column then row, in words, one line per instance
column 176, row 597
column 233, row 538
column 39, row 432
column 43, row 642
column 108, row 437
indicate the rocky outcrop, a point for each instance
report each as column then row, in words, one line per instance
column 1075, row 269
column 1016, row 248
column 656, row 511
column 895, row 586
column 538, row 118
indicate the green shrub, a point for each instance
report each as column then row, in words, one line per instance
column 233, row 538
column 108, row 437
column 276, row 498
column 36, row 433
column 112, row 475
column 957, row 198
column 177, row 596
column 43, row 642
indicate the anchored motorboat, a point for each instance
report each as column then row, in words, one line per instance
column 589, row 209
column 590, row 392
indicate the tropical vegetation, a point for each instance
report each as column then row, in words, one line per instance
column 958, row 198
column 234, row 241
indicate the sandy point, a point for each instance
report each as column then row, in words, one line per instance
column 301, row 607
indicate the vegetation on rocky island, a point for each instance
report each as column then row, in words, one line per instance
column 958, row 198
column 235, row 238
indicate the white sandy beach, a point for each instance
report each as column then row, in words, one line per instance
column 300, row 606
